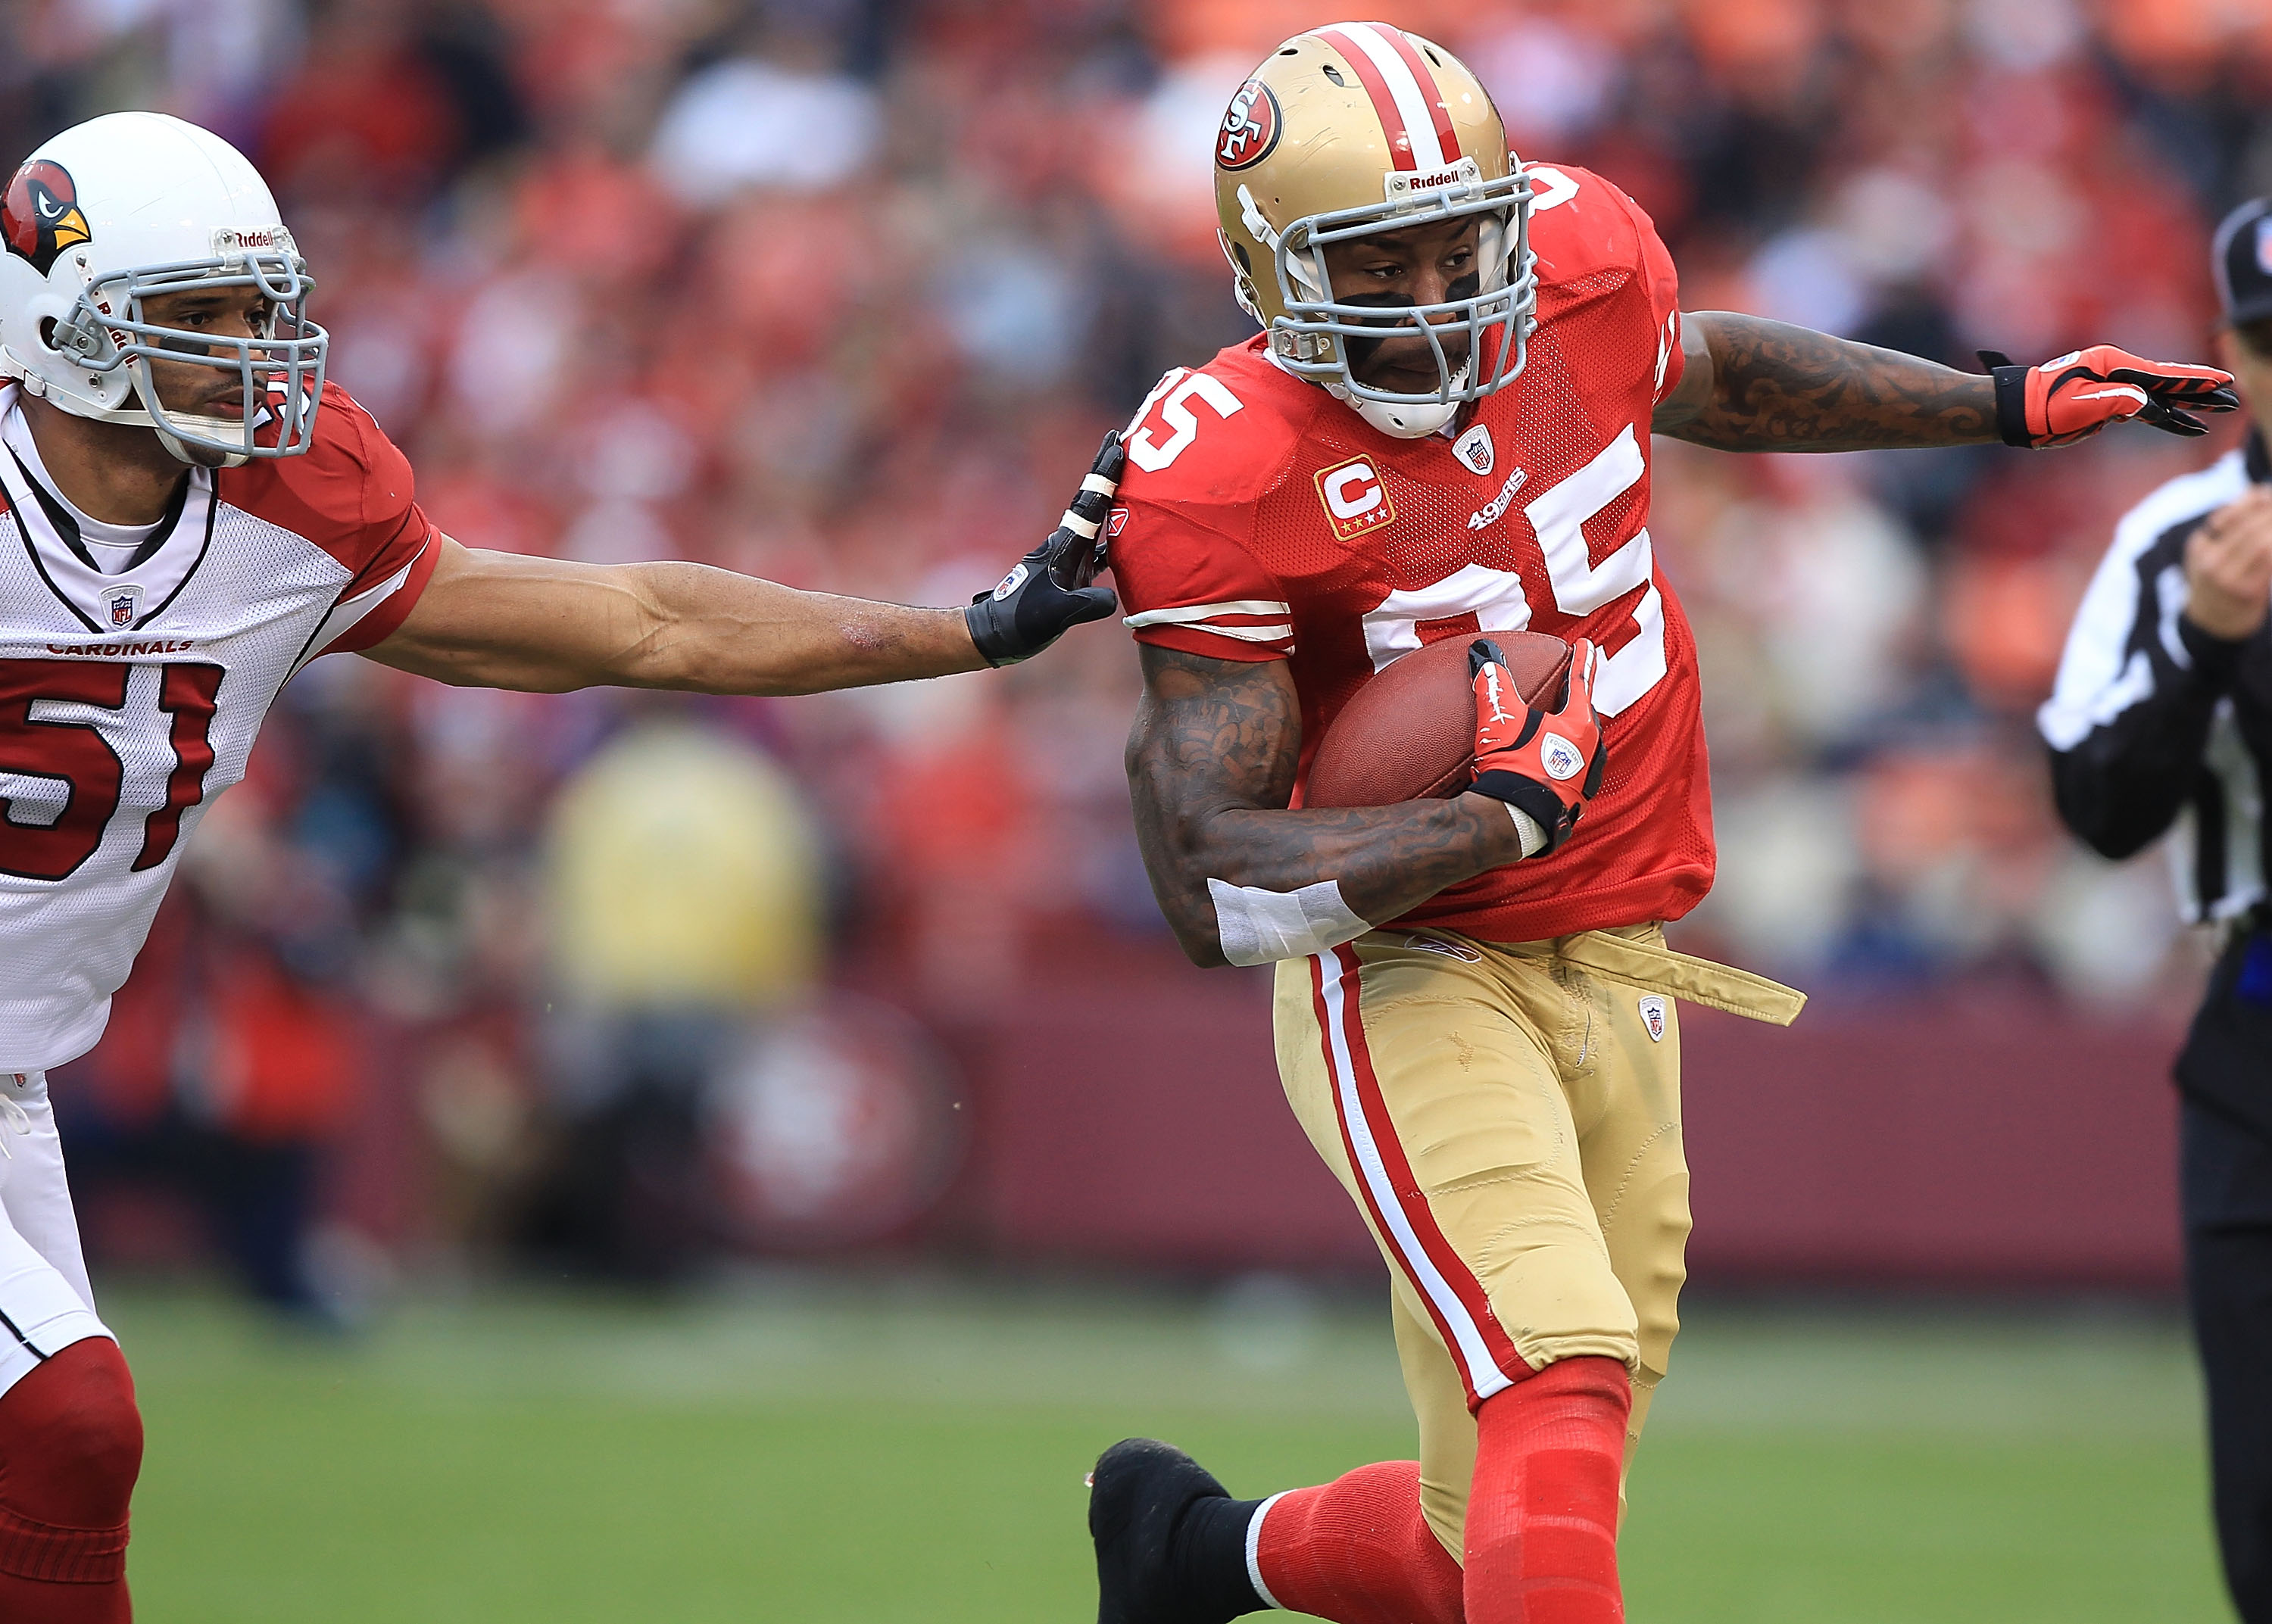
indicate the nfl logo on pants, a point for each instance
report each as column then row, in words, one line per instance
column 1651, row 1015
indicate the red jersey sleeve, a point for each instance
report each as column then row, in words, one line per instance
column 352, row 494
column 1662, row 283
column 1191, row 588
column 1201, row 458
column 396, row 545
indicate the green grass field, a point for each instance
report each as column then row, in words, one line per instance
column 802, row 1450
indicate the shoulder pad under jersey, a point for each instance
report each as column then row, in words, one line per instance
column 1220, row 436
column 1580, row 224
column 349, row 492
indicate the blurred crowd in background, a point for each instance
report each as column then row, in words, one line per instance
column 842, row 292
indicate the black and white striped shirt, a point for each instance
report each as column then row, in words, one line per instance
column 2154, row 722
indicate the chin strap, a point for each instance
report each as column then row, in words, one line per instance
column 138, row 416
column 1416, row 421
column 1413, row 421
column 181, row 452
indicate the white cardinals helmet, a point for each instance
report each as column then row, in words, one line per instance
column 128, row 206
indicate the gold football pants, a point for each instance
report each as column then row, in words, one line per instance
column 1508, row 1119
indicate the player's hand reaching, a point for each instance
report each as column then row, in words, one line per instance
column 1544, row 764
column 1048, row 591
column 2075, row 395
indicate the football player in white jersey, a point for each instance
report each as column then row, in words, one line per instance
column 189, row 513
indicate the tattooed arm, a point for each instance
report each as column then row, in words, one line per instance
column 1210, row 768
column 1756, row 385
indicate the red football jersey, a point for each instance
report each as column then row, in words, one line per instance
column 1264, row 520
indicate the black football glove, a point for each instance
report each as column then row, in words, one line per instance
column 1048, row 591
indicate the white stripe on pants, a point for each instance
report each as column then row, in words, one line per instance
column 46, row 1303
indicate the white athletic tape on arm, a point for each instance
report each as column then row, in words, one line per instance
column 1254, row 1549
column 1258, row 927
column 1100, row 485
column 1533, row 833
column 1085, row 528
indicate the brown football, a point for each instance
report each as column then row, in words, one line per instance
column 1409, row 733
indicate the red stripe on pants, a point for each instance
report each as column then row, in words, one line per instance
column 1455, row 1299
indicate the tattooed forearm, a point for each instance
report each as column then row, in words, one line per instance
column 1210, row 768
column 1757, row 386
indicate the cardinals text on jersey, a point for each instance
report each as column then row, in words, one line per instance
column 129, row 699
column 1263, row 520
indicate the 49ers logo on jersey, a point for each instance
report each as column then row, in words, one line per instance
column 1250, row 128
column 39, row 216
column 1356, row 502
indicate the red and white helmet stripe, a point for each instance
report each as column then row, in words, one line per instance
column 1404, row 93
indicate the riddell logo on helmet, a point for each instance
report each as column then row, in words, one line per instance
column 1404, row 183
column 1250, row 128
column 227, row 240
column 40, row 217
column 1356, row 502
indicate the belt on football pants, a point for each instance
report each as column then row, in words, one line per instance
column 1683, row 975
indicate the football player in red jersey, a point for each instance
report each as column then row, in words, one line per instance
column 189, row 514
column 1443, row 431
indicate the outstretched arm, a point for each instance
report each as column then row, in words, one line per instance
column 1750, row 384
column 1210, row 769
column 547, row 625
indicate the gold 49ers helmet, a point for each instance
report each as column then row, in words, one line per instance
column 1353, row 129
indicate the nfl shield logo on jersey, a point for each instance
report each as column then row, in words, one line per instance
column 1651, row 1015
column 123, row 603
column 1473, row 450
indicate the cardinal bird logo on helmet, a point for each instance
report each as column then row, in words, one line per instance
column 41, row 215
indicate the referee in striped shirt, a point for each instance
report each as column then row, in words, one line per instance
column 2163, row 716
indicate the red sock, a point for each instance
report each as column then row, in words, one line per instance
column 71, row 1447
column 1358, row 1551
column 1542, row 1545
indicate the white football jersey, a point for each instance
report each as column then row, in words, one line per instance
column 129, row 698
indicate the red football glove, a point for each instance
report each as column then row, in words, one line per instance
column 1548, row 764
column 2078, row 393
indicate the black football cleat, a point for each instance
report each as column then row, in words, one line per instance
column 1170, row 1541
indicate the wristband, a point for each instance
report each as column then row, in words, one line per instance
column 1526, row 829
column 2011, row 382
